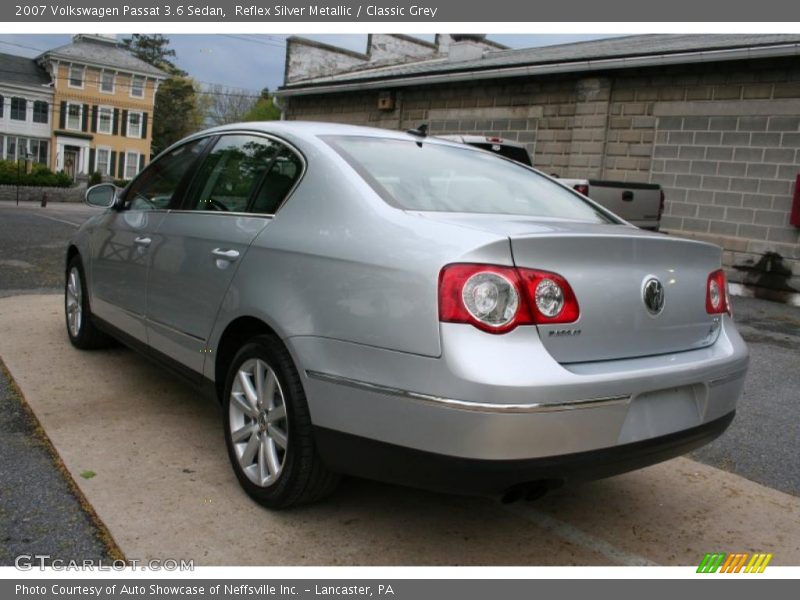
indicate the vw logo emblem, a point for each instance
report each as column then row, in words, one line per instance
column 653, row 295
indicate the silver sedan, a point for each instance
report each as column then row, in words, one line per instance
column 407, row 309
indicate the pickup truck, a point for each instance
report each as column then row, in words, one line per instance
column 640, row 204
column 497, row 145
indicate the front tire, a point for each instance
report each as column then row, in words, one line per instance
column 268, row 429
column 82, row 331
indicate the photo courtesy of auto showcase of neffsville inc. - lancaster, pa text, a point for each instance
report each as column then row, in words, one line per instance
column 449, row 301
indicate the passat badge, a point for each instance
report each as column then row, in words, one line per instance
column 653, row 295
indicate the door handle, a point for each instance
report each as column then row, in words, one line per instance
column 229, row 255
column 142, row 241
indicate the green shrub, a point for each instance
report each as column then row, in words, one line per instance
column 95, row 178
column 121, row 183
column 12, row 173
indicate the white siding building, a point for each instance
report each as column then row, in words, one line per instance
column 26, row 110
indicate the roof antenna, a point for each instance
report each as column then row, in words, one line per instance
column 421, row 131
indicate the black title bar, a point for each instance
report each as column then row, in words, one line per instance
column 479, row 11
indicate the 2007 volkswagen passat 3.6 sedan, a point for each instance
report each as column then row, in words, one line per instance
column 412, row 310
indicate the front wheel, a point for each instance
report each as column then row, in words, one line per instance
column 268, row 428
column 82, row 331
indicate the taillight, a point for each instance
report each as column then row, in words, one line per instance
column 486, row 296
column 717, row 301
column 582, row 188
column 498, row 299
column 551, row 297
column 661, row 205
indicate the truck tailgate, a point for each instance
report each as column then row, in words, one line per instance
column 637, row 203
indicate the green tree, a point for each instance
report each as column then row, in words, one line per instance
column 154, row 50
column 178, row 107
column 177, row 112
column 264, row 109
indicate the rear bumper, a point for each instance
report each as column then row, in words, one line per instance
column 362, row 457
column 492, row 399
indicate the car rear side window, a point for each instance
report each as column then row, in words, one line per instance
column 278, row 182
column 155, row 188
column 244, row 173
column 425, row 176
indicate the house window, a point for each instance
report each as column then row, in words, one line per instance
column 38, row 151
column 2, row 107
column 107, row 82
column 19, row 106
column 137, row 86
column 131, row 164
column 105, row 120
column 41, row 111
column 76, row 77
column 135, row 124
column 11, row 148
column 103, row 161
column 74, row 115
column 44, row 154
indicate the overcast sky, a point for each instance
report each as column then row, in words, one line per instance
column 250, row 62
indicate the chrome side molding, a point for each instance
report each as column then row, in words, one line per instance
column 489, row 407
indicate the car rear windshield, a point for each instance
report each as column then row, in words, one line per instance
column 436, row 177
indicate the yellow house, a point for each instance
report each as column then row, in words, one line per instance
column 102, row 107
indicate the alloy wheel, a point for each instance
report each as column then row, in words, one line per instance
column 74, row 302
column 258, row 422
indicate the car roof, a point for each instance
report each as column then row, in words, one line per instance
column 313, row 129
column 310, row 133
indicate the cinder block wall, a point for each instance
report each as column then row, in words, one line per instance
column 722, row 138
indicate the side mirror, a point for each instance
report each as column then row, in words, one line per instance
column 103, row 195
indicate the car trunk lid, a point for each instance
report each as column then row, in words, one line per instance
column 609, row 273
column 607, row 266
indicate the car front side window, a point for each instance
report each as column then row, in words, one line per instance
column 155, row 188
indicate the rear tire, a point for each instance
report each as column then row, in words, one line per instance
column 268, row 429
column 82, row 331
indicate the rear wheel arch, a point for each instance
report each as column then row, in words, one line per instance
column 236, row 334
column 268, row 429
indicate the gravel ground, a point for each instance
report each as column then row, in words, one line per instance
column 40, row 513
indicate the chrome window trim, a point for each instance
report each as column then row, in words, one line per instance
column 219, row 213
column 487, row 407
column 212, row 213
